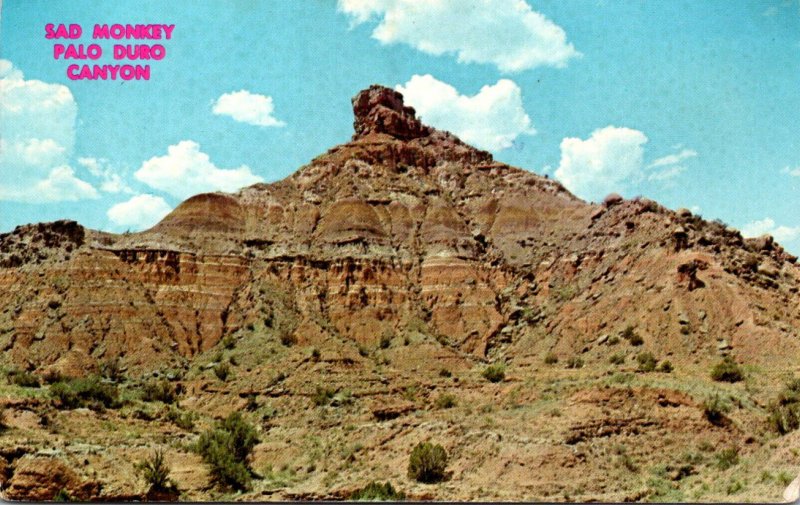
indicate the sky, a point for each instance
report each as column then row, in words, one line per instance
column 693, row 104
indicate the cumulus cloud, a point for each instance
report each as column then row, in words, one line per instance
column 37, row 136
column 185, row 171
column 767, row 226
column 609, row 160
column 138, row 213
column 110, row 180
column 247, row 107
column 505, row 33
column 490, row 119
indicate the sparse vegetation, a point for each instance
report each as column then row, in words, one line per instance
column 575, row 362
column 88, row 392
column 226, row 448
column 386, row 340
column 112, row 370
column 427, row 463
column 727, row 458
column 228, row 342
column 446, row 401
column 727, row 370
column 784, row 413
column 155, row 472
column 377, row 491
column 444, row 372
column 23, row 378
column 288, row 338
column 495, row 372
column 617, row 358
column 62, row 496
column 550, row 359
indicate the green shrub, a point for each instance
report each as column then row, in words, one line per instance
column 495, row 372
column 315, row 354
column 629, row 334
column 727, row 458
column 617, row 359
column 727, row 370
column 784, row 413
column 23, row 378
column 445, row 373
column 665, row 367
column 376, row 491
column 225, row 449
column 445, row 401
column 613, row 340
column 575, row 362
column 323, row 396
column 88, row 392
column 550, row 359
column 62, row 496
column 287, row 338
column 386, row 340
column 112, row 370
column 222, row 371
column 427, row 463
column 183, row 420
column 159, row 391
column 228, row 342
column 155, row 472
column 714, row 410
column 647, row 362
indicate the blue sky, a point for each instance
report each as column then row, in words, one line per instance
column 694, row 104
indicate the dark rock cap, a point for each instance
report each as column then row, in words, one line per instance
column 379, row 109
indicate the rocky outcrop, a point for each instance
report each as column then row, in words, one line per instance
column 41, row 479
column 381, row 110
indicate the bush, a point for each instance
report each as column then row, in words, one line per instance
column 62, row 496
column 155, row 472
column 629, row 334
column 575, row 362
column 727, row 370
column 647, row 362
column 784, row 413
column 665, row 367
column 446, row 401
column 427, row 463
column 23, row 379
column 727, row 458
column 550, row 359
column 714, row 410
column 495, row 372
column 159, row 391
column 88, row 392
column 445, row 373
column 226, row 448
column 386, row 340
column 112, row 370
column 323, row 396
column 222, row 371
column 183, row 420
column 228, row 342
column 287, row 338
column 376, row 491
column 617, row 359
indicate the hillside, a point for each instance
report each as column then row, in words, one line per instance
column 388, row 273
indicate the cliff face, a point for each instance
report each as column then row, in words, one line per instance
column 401, row 226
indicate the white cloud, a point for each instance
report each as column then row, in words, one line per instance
column 60, row 185
column 673, row 159
column 608, row 161
column 666, row 174
column 138, row 213
column 794, row 172
column 490, row 119
column 111, row 182
column 247, row 107
column 505, row 33
column 186, row 170
column 37, row 136
column 767, row 226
